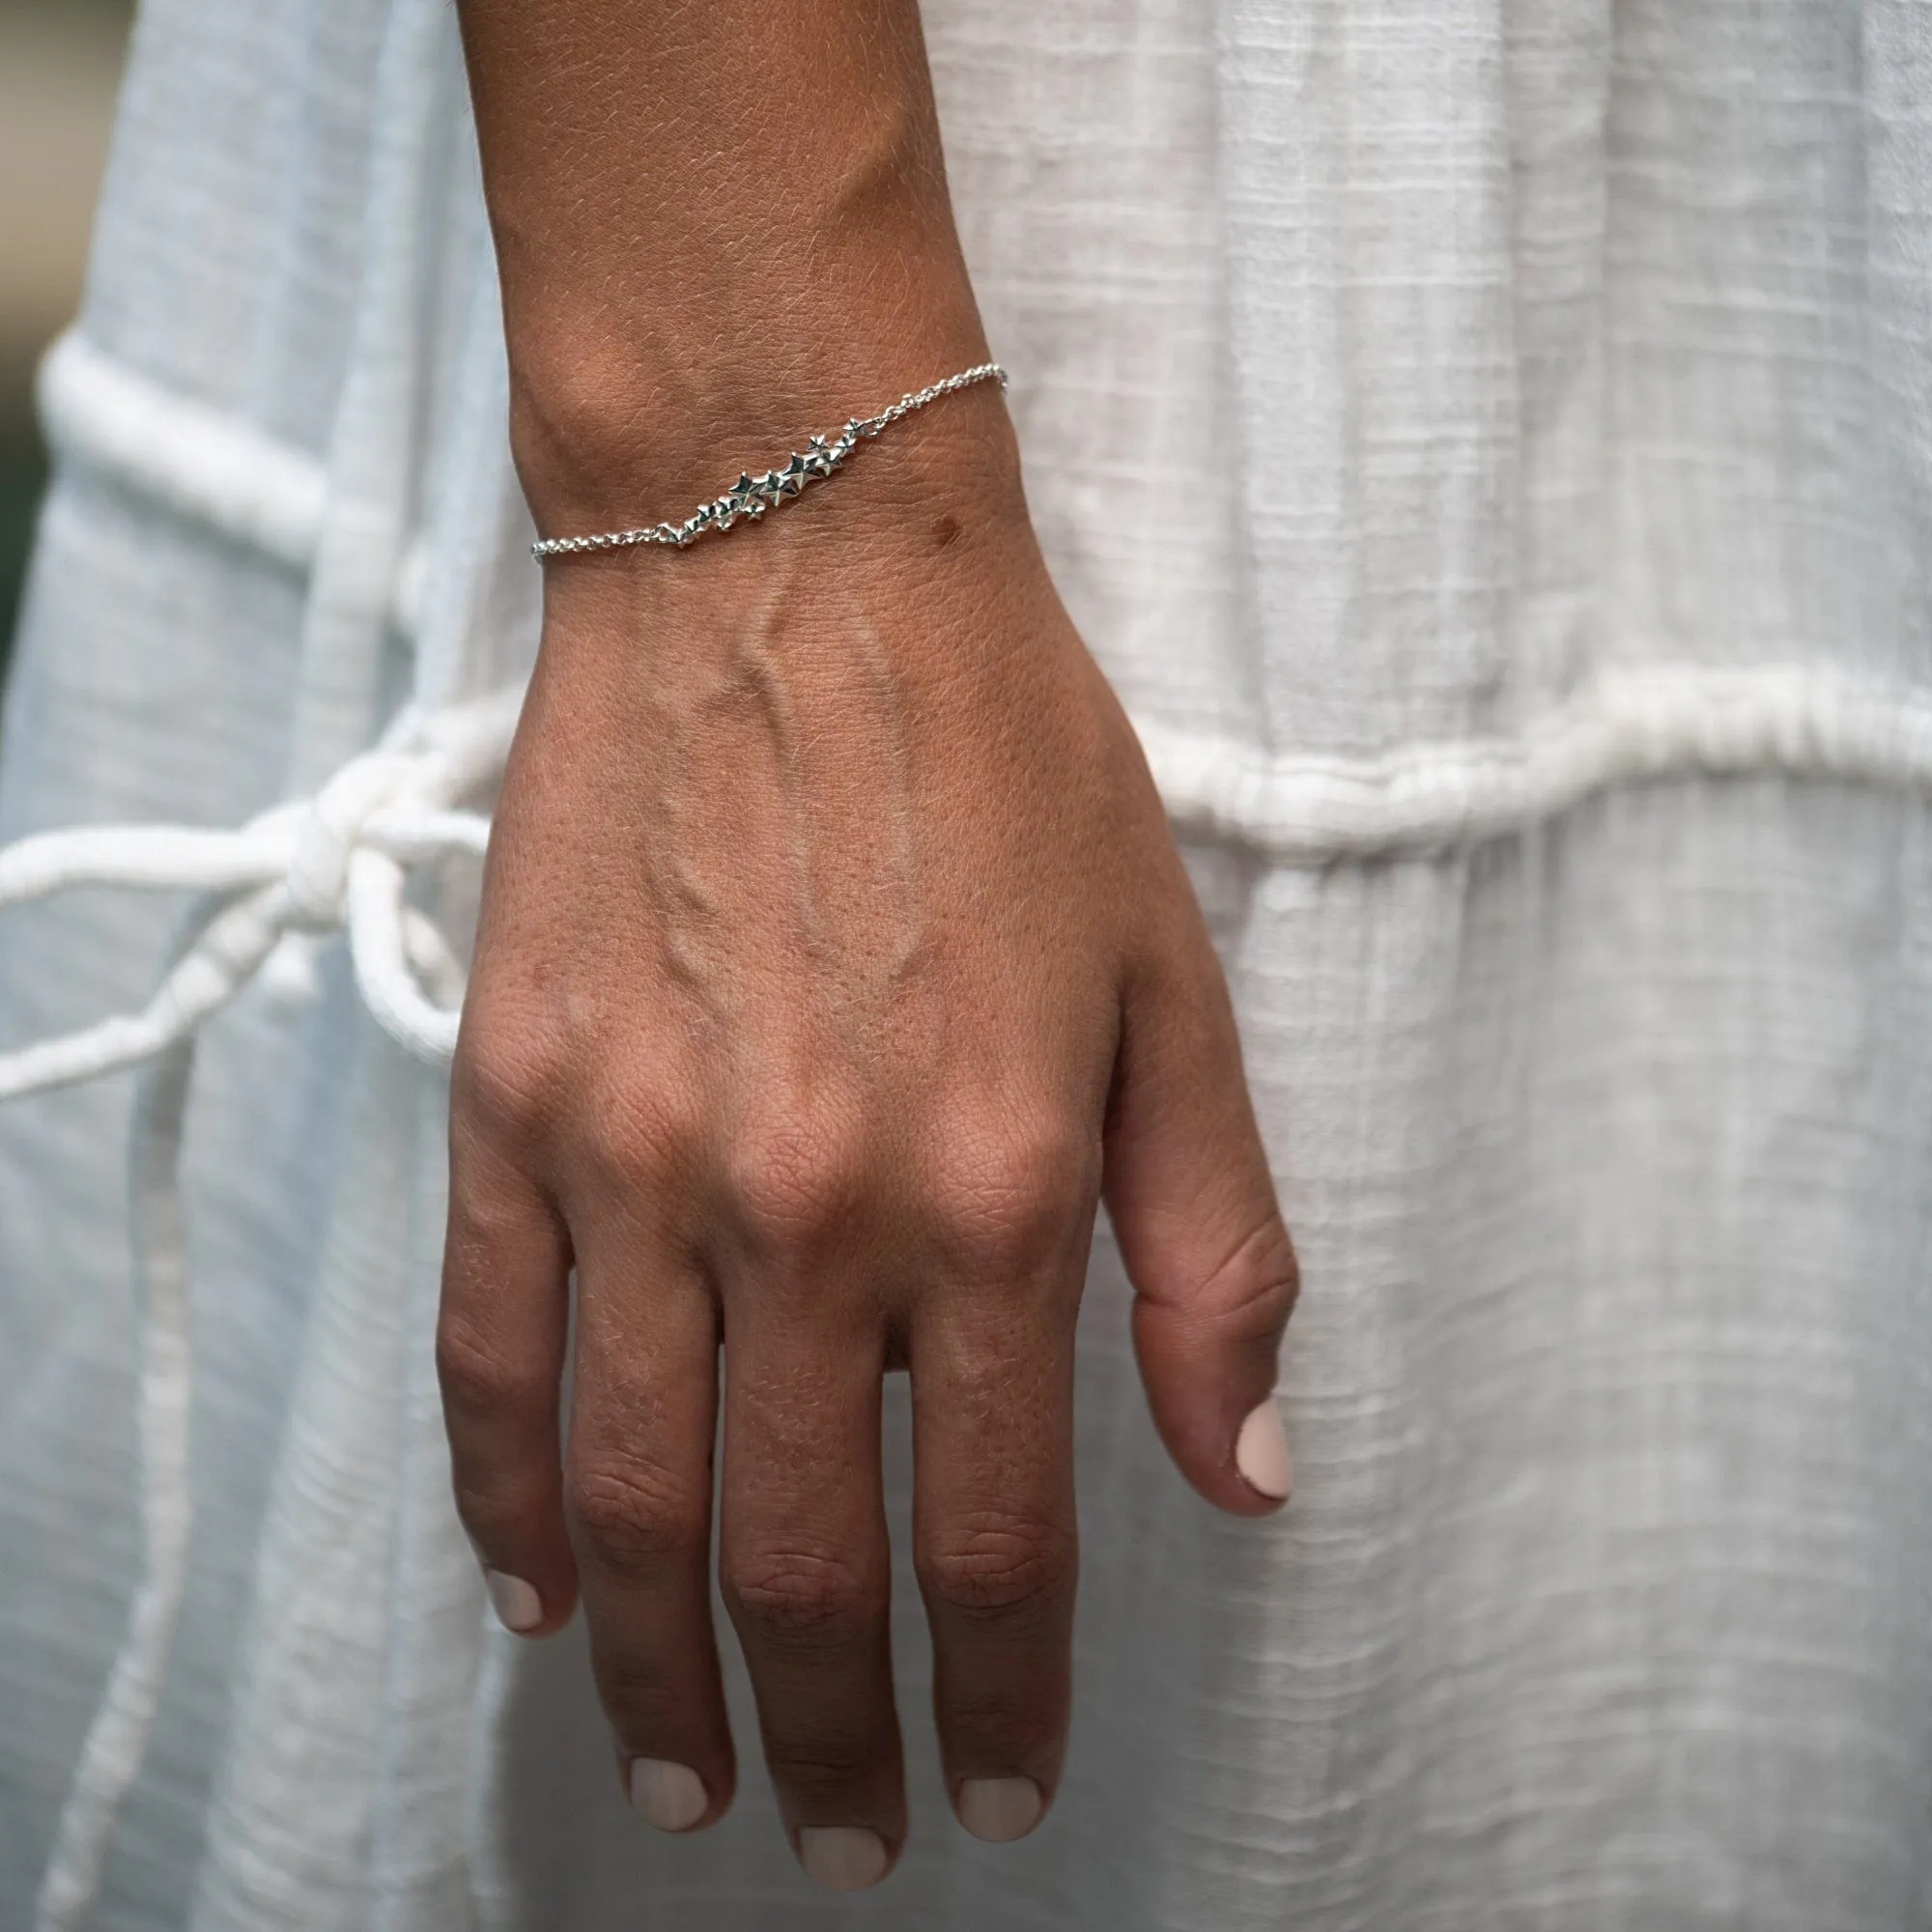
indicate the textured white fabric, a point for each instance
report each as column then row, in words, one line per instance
column 1489, row 447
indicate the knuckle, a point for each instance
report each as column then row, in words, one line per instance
column 497, row 1506
column 1012, row 1717
column 796, row 1177
column 1252, row 1292
column 505, row 1080
column 638, row 1688
column 1010, row 1191
column 818, row 1766
column 632, row 1515
column 640, row 1130
column 477, row 1376
column 999, row 1565
column 790, row 1596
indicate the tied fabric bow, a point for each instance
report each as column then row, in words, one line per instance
column 339, row 860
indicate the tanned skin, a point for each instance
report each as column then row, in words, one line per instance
column 836, row 957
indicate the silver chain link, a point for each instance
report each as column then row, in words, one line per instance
column 750, row 497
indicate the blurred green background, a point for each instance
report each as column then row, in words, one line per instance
column 60, row 65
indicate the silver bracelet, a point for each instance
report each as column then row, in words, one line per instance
column 752, row 496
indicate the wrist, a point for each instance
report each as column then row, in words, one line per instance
column 713, row 242
column 633, row 406
column 925, row 510
column 600, row 453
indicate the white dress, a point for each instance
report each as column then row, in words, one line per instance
column 1488, row 444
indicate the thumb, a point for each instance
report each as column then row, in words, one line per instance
column 1193, row 1209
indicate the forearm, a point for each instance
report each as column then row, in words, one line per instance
column 717, row 225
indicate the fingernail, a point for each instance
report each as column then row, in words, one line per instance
column 1260, row 1453
column 998, row 1809
column 518, row 1607
column 666, row 1794
column 844, row 1856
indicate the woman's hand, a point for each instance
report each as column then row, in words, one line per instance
column 836, row 955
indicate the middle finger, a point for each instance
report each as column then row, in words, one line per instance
column 807, row 1574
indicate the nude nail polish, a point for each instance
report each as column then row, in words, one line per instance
column 845, row 1858
column 999, row 1809
column 517, row 1605
column 1260, row 1453
column 668, row 1795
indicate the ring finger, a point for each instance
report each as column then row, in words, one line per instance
column 638, row 1493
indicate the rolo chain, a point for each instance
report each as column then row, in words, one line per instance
column 750, row 497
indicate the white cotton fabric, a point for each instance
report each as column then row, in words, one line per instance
column 1490, row 446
